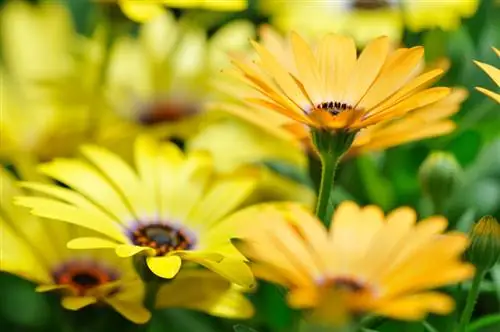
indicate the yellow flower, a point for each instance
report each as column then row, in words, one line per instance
column 357, row 19
column 492, row 72
column 158, row 82
column 336, row 91
column 365, row 263
column 366, row 19
column 419, row 15
column 48, row 82
column 36, row 250
column 146, row 10
column 169, row 210
column 427, row 121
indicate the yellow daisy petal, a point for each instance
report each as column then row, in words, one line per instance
column 492, row 72
column 48, row 208
column 77, row 303
column 91, row 243
column 491, row 94
column 415, row 307
column 126, row 250
column 88, row 181
column 165, row 267
column 141, row 11
column 130, row 310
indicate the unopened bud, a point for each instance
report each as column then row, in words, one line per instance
column 484, row 250
column 439, row 176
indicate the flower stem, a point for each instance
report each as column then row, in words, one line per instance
column 471, row 302
column 324, row 209
column 331, row 147
column 152, row 288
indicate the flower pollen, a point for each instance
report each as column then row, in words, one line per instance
column 334, row 108
column 162, row 238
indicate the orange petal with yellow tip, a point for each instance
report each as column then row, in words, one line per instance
column 416, row 306
column 366, row 70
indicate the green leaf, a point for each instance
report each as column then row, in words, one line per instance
column 243, row 328
column 492, row 321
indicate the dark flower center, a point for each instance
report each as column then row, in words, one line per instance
column 82, row 276
column 162, row 238
column 166, row 111
column 370, row 4
column 348, row 284
column 334, row 107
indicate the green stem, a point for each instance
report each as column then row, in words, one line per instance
column 152, row 288
column 471, row 302
column 324, row 209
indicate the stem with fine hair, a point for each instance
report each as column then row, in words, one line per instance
column 471, row 301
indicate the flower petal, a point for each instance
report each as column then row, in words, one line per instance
column 166, row 267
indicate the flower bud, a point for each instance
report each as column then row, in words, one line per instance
column 439, row 176
column 484, row 250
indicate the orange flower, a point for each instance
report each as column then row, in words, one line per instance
column 365, row 263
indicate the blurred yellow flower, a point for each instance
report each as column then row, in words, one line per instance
column 158, row 82
column 334, row 91
column 492, row 72
column 419, row 15
column 366, row 19
column 365, row 263
column 48, row 82
column 35, row 249
column 146, row 10
column 169, row 211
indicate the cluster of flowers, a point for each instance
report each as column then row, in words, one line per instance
column 160, row 226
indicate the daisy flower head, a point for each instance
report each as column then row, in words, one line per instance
column 365, row 263
column 333, row 91
column 35, row 249
column 169, row 209
column 429, row 120
column 492, row 72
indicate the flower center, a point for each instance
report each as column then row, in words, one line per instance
column 166, row 111
column 162, row 238
column 348, row 284
column 82, row 276
column 334, row 107
column 370, row 4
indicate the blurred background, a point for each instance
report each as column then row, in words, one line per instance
column 75, row 71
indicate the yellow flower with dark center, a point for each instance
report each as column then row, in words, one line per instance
column 423, row 122
column 492, row 72
column 35, row 249
column 367, row 19
column 334, row 90
column 158, row 82
column 365, row 263
column 169, row 210
column 146, row 10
